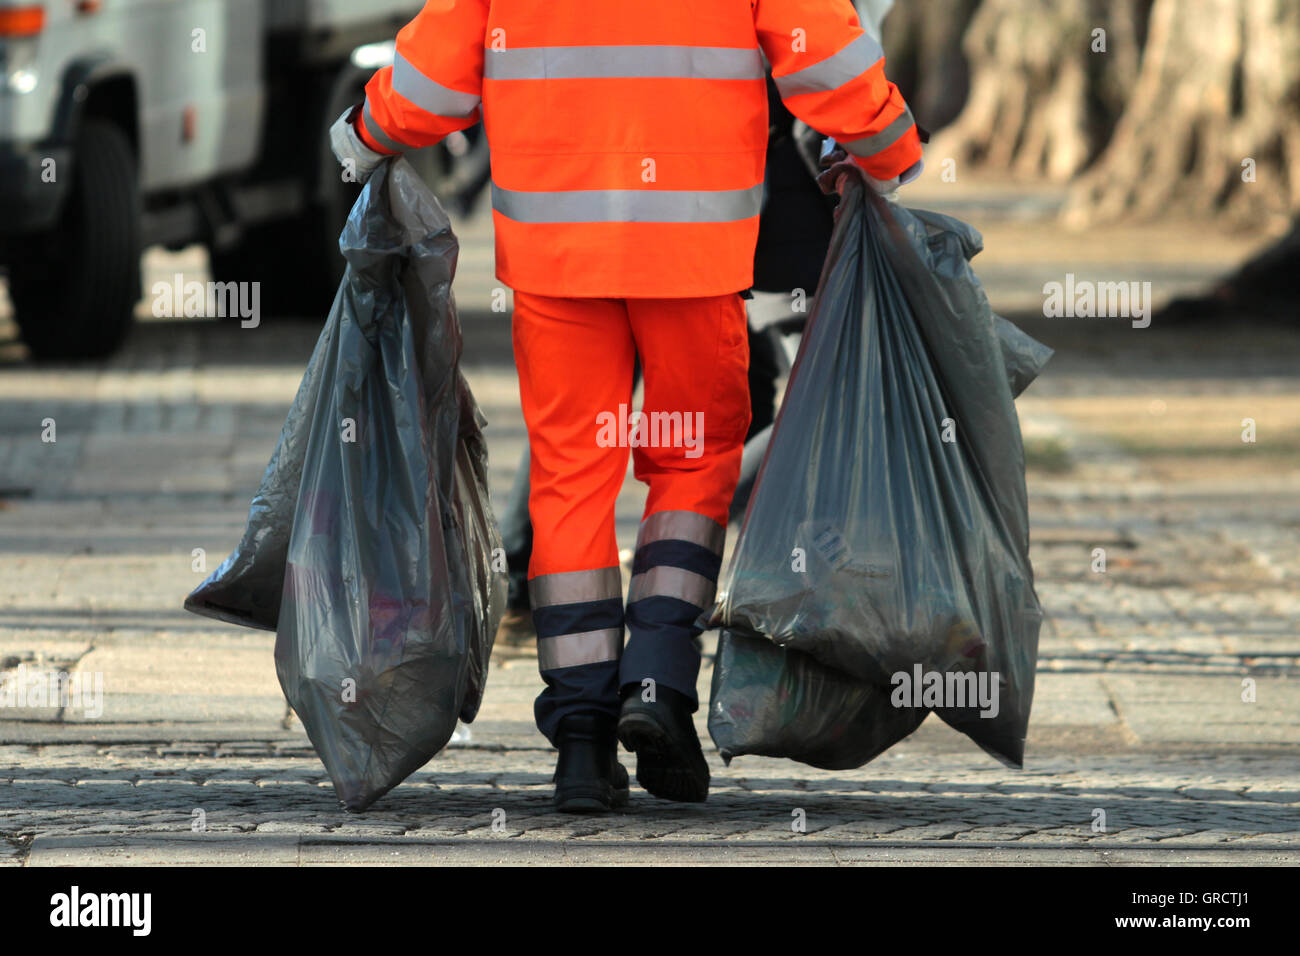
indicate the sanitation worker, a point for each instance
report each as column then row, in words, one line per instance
column 627, row 143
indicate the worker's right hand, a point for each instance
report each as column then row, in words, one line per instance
column 357, row 159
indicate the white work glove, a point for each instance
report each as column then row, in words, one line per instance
column 835, row 160
column 357, row 159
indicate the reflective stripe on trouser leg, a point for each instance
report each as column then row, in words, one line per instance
column 695, row 359
column 674, row 576
column 575, row 359
column 579, row 620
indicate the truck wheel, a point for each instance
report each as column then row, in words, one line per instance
column 297, row 261
column 78, row 302
column 320, row 265
column 268, row 254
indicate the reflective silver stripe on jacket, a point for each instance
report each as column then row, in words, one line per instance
column 853, row 59
column 375, row 130
column 682, row 526
column 638, row 61
column 667, row 581
column 629, row 205
column 575, row 587
column 588, row 647
column 887, row 137
column 429, row 95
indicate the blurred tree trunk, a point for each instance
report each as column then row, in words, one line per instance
column 1046, row 89
column 1216, row 105
column 1193, row 110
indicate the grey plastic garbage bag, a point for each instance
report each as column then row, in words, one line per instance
column 370, row 542
column 885, row 547
column 777, row 702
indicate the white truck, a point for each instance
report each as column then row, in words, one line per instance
column 128, row 123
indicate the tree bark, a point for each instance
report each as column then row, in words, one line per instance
column 1043, row 103
column 1218, row 97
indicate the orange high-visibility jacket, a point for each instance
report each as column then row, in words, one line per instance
column 628, row 138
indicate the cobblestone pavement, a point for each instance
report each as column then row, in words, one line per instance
column 1145, row 745
column 258, row 801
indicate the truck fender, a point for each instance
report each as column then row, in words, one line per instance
column 78, row 78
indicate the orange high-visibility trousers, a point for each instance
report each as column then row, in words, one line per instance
column 575, row 358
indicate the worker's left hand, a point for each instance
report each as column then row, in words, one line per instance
column 353, row 155
column 838, row 166
column 836, row 176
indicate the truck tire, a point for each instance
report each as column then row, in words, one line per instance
column 297, row 261
column 79, row 301
column 271, row 254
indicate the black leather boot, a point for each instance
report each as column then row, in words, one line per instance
column 669, row 761
column 588, row 776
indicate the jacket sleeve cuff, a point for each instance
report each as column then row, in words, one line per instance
column 364, row 135
column 896, row 159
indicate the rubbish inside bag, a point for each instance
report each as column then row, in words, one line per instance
column 884, row 553
column 369, row 544
column 776, row 702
